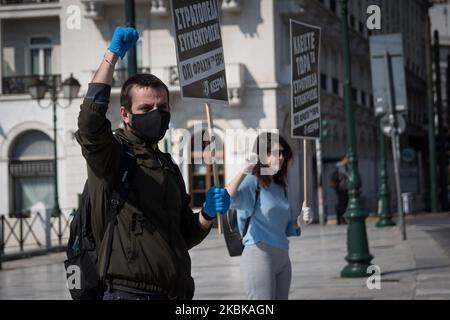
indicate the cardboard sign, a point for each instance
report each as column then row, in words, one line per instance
column 305, row 80
column 201, row 65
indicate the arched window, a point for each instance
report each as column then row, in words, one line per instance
column 31, row 170
column 200, row 168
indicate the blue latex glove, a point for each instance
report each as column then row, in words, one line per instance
column 123, row 39
column 217, row 200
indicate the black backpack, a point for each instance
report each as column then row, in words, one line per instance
column 338, row 180
column 233, row 238
column 83, row 279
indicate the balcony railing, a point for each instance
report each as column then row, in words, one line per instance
column 121, row 75
column 33, row 231
column 15, row 2
column 19, row 84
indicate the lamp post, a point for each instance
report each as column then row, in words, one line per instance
column 441, row 130
column 430, row 118
column 130, row 18
column 37, row 89
column 385, row 215
column 358, row 256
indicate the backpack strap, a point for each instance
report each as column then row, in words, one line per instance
column 85, row 221
column 247, row 222
column 170, row 163
column 118, row 197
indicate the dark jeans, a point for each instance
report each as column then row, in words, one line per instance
column 341, row 206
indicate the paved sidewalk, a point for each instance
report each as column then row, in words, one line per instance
column 414, row 269
column 418, row 268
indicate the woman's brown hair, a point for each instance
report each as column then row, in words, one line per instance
column 269, row 139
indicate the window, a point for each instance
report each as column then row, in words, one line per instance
column 352, row 21
column 335, row 85
column 333, row 5
column 354, row 95
column 40, row 55
column 200, row 172
column 361, row 28
column 323, row 81
column 363, row 98
column 31, row 168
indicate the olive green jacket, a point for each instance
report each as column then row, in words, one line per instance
column 155, row 227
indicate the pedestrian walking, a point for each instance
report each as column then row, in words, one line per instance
column 338, row 181
column 259, row 193
column 155, row 227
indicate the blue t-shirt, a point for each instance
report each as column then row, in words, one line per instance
column 271, row 221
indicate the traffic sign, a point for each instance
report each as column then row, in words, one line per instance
column 387, row 124
column 408, row 155
column 380, row 46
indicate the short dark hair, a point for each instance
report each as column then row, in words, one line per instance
column 141, row 80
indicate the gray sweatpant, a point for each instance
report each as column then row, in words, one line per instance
column 266, row 271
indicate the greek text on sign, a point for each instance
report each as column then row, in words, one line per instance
column 305, row 90
column 198, row 40
column 196, row 14
column 306, row 116
column 201, row 66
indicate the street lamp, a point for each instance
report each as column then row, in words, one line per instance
column 358, row 256
column 37, row 89
column 130, row 18
column 385, row 215
column 70, row 88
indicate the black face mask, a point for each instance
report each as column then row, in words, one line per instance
column 151, row 126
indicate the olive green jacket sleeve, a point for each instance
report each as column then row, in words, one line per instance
column 99, row 147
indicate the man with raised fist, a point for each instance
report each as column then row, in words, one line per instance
column 154, row 227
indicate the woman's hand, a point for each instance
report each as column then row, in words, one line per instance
column 249, row 163
column 246, row 169
column 306, row 216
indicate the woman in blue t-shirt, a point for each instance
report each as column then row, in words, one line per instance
column 259, row 192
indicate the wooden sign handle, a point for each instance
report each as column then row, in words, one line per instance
column 213, row 159
column 305, row 172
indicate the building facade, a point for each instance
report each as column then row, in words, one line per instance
column 42, row 38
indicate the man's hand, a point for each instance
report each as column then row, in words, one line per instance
column 123, row 39
column 217, row 200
